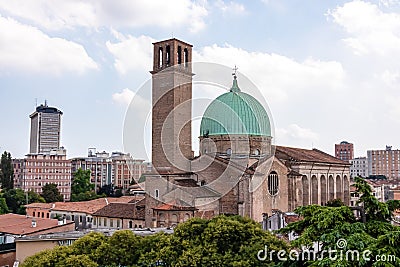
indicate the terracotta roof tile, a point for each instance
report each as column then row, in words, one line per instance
column 306, row 155
column 22, row 225
column 123, row 210
column 177, row 204
column 88, row 207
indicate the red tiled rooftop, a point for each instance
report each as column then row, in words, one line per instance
column 88, row 207
column 123, row 210
column 306, row 155
column 175, row 205
column 22, row 225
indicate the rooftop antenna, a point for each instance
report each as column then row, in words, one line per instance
column 35, row 102
column 45, row 102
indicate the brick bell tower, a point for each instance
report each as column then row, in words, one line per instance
column 172, row 106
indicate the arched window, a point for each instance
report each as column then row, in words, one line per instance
column 306, row 191
column 229, row 151
column 160, row 57
column 273, row 183
column 185, row 56
column 314, row 190
column 168, row 54
column 256, row 152
column 179, row 54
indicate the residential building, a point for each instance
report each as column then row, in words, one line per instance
column 18, row 166
column 344, row 151
column 79, row 212
column 45, row 129
column 384, row 162
column 359, row 167
column 121, row 215
column 14, row 225
column 119, row 169
column 52, row 167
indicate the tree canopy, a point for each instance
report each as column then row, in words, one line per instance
column 222, row 241
column 82, row 189
column 16, row 199
column 327, row 226
column 236, row 241
column 51, row 194
column 6, row 171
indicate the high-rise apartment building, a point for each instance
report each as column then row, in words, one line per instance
column 45, row 129
column 359, row 167
column 344, row 151
column 384, row 162
column 48, row 168
column 46, row 162
column 119, row 169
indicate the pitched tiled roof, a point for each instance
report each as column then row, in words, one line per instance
column 16, row 224
column 177, row 204
column 306, row 155
column 135, row 211
column 88, row 207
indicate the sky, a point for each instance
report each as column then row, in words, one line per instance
column 328, row 70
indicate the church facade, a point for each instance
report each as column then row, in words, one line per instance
column 238, row 170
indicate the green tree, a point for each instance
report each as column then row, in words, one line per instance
column 337, row 202
column 51, row 194
column 325, row 226
column 16, row 199
column 222, row 241
column 81, row 188
column 6, row 171
column 3, row 206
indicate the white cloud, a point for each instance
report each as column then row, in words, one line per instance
column 55, row 15
column 139, row 105
column 26, row 48
column 230, row 7
column 295, row 134
column 371, row 31
column 131, row 53
column 124, row 98
column 275, row 75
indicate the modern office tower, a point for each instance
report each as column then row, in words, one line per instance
column 344, row 151
column 45, row 129
column 384, row 162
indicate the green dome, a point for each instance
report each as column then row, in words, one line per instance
column 235, row 112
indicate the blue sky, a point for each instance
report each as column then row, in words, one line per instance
column 329, row 70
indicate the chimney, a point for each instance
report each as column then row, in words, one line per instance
column 34, row 223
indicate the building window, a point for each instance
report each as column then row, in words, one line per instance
column 111, row 223
column 130, row 224
column 118, row 224
column 157, row 193
column 33, row 214
column 273, row 183
column 229, row 151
